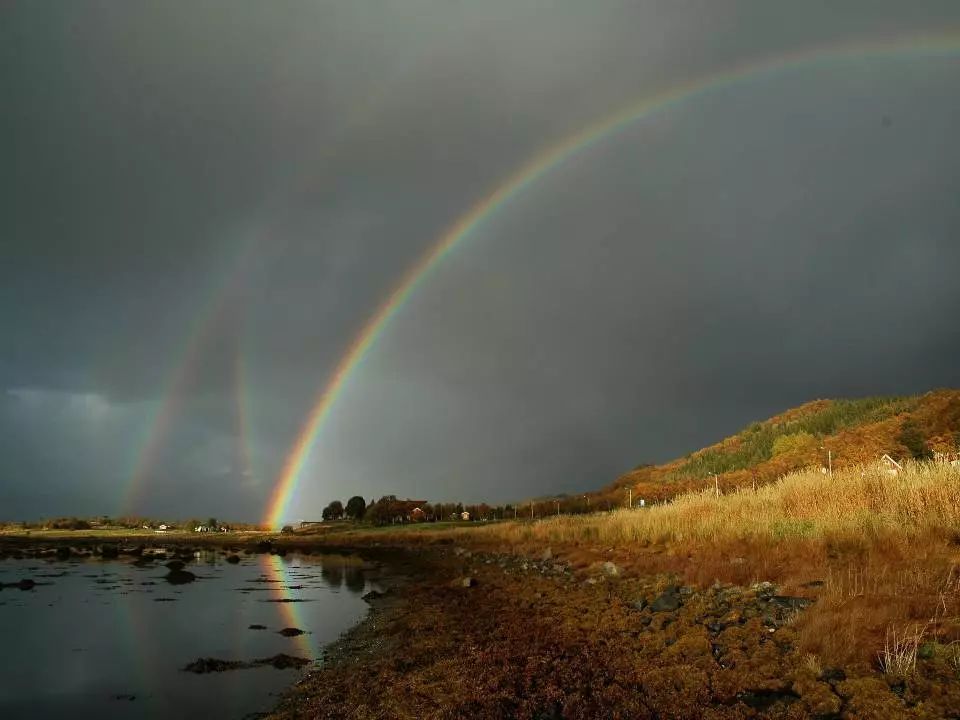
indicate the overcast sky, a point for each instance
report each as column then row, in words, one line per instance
column 202, row 203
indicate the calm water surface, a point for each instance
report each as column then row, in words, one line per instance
column 108, row 638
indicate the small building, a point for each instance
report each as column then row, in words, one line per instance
column 417, row 515
column 890, row 465
column 464, row 515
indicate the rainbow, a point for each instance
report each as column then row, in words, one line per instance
column 186, row 361
column 527, row 175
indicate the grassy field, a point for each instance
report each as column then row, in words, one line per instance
column 880, row 552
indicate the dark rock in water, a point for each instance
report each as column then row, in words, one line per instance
column 282, row 661
column 176, row 564
column 136, row 551
column 110, row 551
column 258, row 627
column 26, row 584
column 125, row 696
column 233, row 559
column 142, row 562
column 372, row 595
column 165, row 600
column 201, row 666
column 280, row 551
column 291, row 632
column 63, row 552
column 264, row 546
column 286, row 600
column 668, row 601
column 180, row 577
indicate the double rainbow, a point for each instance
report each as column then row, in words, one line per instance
column 526, row 176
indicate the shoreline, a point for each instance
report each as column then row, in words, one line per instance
column 472, row 630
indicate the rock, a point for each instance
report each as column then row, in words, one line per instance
column 201, row 666
column 176, row 564
column 110, row 551
column 832, row 675
column 611, row 569
column 125, row 696
column 546, row 555
column 668, row 601
column 372, row 595
column 257, row 627
column 180, row 577
column 291, row 632
column 264, row 546
column 467, row 582
column 282, row 661
column 63, row 552
column 789, row 602
column 764, row 590
column 639, row 604
column 233, row 559
column 26, row 584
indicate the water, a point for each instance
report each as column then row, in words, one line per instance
column 109, row 639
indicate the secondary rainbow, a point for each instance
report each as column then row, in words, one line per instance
column 529, row 173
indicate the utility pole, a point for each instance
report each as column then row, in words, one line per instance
column 558, row 508
column 716, row 483
column 829, row 460
column 630, row 498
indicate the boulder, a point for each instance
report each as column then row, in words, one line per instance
column 233, row 559
column 291, row 632
column 611, row 569
column 667, row 601
column 180, row 577
column 176, row 564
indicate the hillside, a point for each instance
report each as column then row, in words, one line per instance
column 854, row 431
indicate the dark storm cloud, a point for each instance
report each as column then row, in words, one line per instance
column 258, row 176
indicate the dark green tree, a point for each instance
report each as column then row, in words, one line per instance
column 333, row 511
column 356, row 507
column 912, row 438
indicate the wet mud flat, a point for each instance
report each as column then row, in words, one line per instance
column 463, row 634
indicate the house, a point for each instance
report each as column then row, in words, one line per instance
column 464, row 515
column 890, row 465
column 417, row 515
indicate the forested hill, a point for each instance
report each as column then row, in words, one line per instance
column 853, row 431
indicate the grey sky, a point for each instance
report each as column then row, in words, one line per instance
column 258, row 176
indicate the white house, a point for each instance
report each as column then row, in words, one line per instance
column 892, row 466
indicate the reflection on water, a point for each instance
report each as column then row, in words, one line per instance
column 110, row 637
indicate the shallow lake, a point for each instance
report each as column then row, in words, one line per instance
column 111, row 638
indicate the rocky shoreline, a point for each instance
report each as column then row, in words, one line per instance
column 458, row 633
column 499, row 636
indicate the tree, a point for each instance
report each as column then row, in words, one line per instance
column 356, row 507
column 212, row 523
column 913, row 439
column 333, row 511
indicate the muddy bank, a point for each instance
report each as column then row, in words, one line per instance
column 468, row 635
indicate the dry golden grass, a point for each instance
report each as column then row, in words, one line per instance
column 856, row 503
